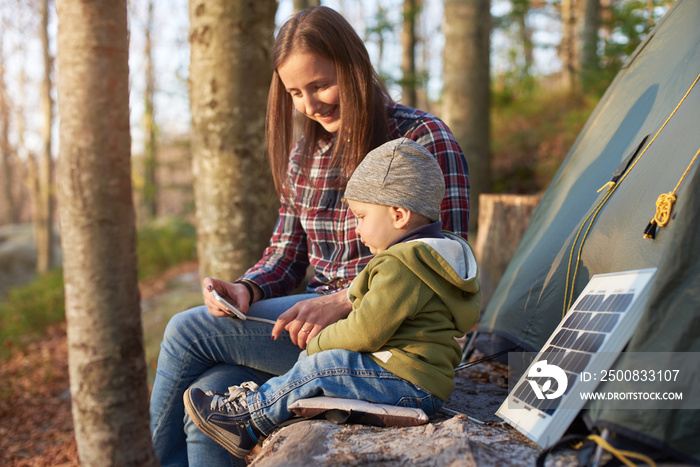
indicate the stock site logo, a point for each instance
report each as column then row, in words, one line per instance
column 542, row 369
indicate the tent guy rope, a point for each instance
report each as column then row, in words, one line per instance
column 664, row 205
column 611, row 187
column 622, row 455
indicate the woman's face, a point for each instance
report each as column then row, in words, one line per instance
column 313, row 84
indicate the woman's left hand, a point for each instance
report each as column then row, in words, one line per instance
column 307, row 318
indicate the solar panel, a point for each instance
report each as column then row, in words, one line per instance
column 545, row 399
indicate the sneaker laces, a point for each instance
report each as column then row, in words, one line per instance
column 234, row 400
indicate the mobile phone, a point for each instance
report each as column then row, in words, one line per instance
column 228, row 305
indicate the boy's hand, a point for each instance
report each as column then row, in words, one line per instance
column 307, row 318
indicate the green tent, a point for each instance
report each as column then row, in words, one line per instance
column 643, row 135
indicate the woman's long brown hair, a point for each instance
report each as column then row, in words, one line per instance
column 363, row 97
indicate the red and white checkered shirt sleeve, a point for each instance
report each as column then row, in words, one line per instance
column 284, row 262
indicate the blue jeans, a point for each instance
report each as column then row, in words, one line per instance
column 203, row 351
column 334, row 373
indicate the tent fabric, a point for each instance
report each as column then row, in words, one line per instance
column 671, row 323
column 530, row 300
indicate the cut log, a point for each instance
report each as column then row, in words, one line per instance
column 503, row 219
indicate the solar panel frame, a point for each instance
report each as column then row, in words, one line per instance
column 589, row 338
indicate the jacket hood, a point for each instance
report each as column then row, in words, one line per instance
column 448, row 266
column 454, row 257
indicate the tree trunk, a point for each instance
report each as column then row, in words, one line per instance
column 502, row 222
column 304, row 4
column 381, row 28
column 568, row 49
column 44, row 234
column 150, row 184
column 411, row 9
column 467, row 96
column 105, row 345
column 31, row 178
column 587, row 26
column 31, row 181
column 10, row 213
column 606, row 20
column 236, row 206
column 520, row 11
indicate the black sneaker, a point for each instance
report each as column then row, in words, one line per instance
column 225, row 417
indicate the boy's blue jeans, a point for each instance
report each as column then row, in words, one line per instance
column 334, row 373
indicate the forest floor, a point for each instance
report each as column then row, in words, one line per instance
column 36, row 427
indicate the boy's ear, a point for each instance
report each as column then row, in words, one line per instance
column 401, row 217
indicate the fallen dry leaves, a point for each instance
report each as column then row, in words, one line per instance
column 36, row 426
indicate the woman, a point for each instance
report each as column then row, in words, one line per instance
column 323, row 72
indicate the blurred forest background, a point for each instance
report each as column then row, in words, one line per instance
column 548, row 64
column 515, row 80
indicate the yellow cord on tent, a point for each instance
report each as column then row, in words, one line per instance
column 620, row 454
column 612, row 186
column 664, row 205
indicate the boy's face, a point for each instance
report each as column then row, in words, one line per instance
column 377, row 226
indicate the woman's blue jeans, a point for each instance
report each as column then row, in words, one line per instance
column 334, row 373
column 210, row 353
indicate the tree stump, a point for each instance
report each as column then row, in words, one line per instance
column 503, row 219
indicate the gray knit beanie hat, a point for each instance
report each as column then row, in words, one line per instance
column 399, row 173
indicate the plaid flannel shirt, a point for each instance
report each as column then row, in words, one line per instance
column 319, row 229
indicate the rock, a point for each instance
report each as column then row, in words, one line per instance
column 468, row 433
column 456, row 441
column 17, row 256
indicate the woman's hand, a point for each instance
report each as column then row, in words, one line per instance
column 236, row 293
column 307, row 318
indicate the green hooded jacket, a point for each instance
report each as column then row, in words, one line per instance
column 408, row 306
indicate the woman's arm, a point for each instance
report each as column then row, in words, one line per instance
column 284, row 262
column 307, row 318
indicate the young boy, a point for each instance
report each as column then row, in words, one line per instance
column 397, row 346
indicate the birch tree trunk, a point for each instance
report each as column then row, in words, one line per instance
column 10, row 213
column 150, row 183
column 31, row 177
column 587, row 32
column 519, row 12
column 467, row 96
column 409, row 83
column 236, row 206
column 568, row 48
column 105, row 348
column 44, row 234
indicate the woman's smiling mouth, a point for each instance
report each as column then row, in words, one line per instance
column 328, row 116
